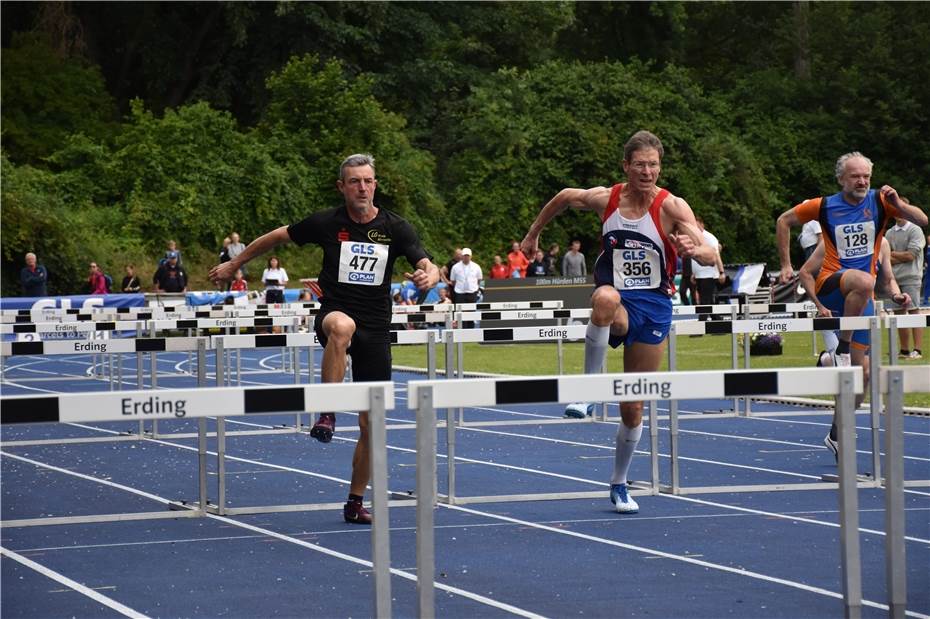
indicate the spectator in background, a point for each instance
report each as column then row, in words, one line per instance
column 34, row 278
column 573, row 264
column 810, row 237
column 906, row 241
column 443, row 293
column 516, row 261
column 686, row 291
column 235, row 248
column 466, row 279
column 238, row 283
column 131, row 283
column 172, row 246
column 275, row 280
column 537, row 267
column 96, row 281
column 446, row 269
column 705, row 278
column 170, row 277
column 552, row 260
column 499, row 270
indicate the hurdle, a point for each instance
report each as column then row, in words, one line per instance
column 376, row 397
column 845, row 383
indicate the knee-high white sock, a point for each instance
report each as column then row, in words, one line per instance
column 830, row 340
column 595, row 347
column 627, row 440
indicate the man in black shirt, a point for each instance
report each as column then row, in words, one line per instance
column 360, row 244
column 170, row 277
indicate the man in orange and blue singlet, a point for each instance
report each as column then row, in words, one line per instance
column 853, row 223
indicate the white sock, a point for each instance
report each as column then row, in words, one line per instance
column 830, row 340
column 627, row 440
column 595, row 347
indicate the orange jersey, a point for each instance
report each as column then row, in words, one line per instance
column 852, row 233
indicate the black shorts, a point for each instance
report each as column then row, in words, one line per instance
column 370, row 350
column 273, row 295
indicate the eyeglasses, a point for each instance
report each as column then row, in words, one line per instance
column 639, row 166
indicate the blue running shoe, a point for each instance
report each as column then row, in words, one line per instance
column 579, row 410
column 623, row 502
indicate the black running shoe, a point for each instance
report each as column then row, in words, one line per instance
column 323, row 429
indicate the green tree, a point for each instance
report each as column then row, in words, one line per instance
column 319, row 115
column 46, row 97
column 525, row 135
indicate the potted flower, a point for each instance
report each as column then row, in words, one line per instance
column 765, row 344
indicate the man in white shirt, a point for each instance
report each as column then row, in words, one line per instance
column 466, row 277
column 809, row 237
column 706, row 277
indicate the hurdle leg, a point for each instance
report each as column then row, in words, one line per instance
column 654, row 444
column 431, row 355
column 747, row 400
column 450, row 454
column 875, row 398
column 140, row 373
column 461, row 374
column 221, row 466
column 734, row 354
column 672, row 421
column 559, row 355
column 895, row 561
column 426, row 500
column 153, row 360
column 850, row 556
column 220, row 354
column 202, row 462
column 381, row 525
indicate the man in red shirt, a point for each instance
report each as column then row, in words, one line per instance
column 499, row 270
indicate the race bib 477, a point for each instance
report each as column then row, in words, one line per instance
column 362, row 263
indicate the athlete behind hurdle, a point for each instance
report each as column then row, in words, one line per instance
column 853, row 223
column 643, row 228
column 360, row 243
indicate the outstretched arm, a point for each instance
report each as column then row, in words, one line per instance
column 594, row 199
column 806, row 278
column 264, row 243
column 783, row 241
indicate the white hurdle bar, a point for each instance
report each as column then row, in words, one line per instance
column 375, row 397
column 428, row 396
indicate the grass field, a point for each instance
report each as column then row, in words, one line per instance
column 694, row 353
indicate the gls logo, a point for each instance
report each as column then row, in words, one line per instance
column 633, row 254
column 853, row 228
column 362, row 249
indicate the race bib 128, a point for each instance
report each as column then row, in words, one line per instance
column 362, row 263
column 855, row 240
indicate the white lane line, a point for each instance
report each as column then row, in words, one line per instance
column 827, row 425
column 72, row 584
column 266, row 532
column 667, row 555
column 777, row 442
column 544, row 473
column 366, row 532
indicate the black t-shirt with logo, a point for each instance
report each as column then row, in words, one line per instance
column 170, row 278
column 358, row 260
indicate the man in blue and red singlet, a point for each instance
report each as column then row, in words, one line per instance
column 644, row 229
column 853, row 222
